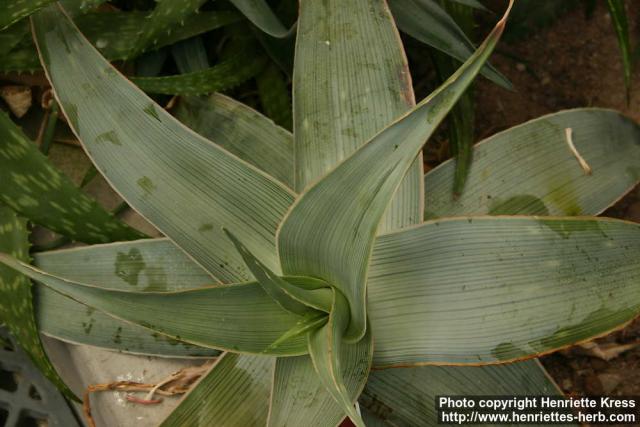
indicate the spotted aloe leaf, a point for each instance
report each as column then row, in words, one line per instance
column 110, row 32
column 225, row 75
column 16, row 309
column 13, row 11
column 38, row 191
column 166, row 15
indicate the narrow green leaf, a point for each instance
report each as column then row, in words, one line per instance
column 236, row 317
column 261, row 15
column 621, row 26
column 235, row 392
column 427, row 22
column 166, row 15
column 407, row 397
column 307, row 240
column 329, row 355
column 461, row 119
column 242, row 131
column 530, row 168
column 222, row 76
column 34, row 188
column 294, row 300
column 214, row 189
column 353, row 48
column 497, row 289
column 16, row 309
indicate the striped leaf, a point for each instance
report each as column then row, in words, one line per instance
column 308, row 240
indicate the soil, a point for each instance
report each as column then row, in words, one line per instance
column 573, row 62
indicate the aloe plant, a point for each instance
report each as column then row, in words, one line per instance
column 303, row 260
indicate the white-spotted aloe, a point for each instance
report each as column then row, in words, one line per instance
column 308, row 280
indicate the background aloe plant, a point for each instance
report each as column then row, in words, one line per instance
column 304, row 257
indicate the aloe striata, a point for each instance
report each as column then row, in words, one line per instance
column 310, row 262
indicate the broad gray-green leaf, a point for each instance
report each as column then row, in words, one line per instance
column 330, row 231
column 261, row 15
column 351, row 79
column 186, row 186
column 237, row 317
column 330, row 355
column 530, row 169
column 16, row 309
column 242, row 131
column 427, row 22
column 146, row 265
column 407, row 397
column 496, row 289
column 235, row 392
column 62, row 318
column 33, row 187
column 225, row 75
column 299, row 397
